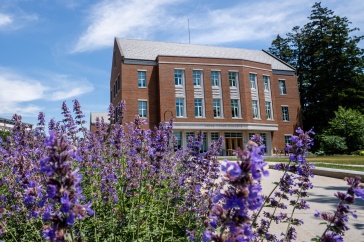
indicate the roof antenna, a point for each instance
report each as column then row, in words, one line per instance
column 189, row 33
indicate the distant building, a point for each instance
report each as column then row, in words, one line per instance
column 7, row 124
column 94, row 115
column 228, row 92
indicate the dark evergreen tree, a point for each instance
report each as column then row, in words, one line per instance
column 329, row 65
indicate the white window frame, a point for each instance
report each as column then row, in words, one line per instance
column 143, row 111
column 179, row 80
column 287, row 139
column 285, row 116
column 217, row 109
column 199, row 109
column 253, row 83
column 268, row 110
column 282, row 89
column 236, row 108
column 255, row 107
column 215, row 82
column 233, row 82
column 266, row 82
column 142, row 83
column 197, row 81
column 178, row 135
column 180, row 107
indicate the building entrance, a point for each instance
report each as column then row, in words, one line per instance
column 232, row 142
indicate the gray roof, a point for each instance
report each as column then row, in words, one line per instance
column 94, row 115
column 149, row 50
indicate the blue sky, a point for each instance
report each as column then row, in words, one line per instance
column 60, row 50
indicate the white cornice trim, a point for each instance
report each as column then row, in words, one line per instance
column 211, row 64
column 224, row 126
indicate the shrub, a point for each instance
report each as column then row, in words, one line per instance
column 333, row 144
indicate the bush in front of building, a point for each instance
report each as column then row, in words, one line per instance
column 126, row 183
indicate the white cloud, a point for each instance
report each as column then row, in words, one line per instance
column 5, row 20
column 19, row 93
column 16, row 20
column 132, row 19
column 166, row 20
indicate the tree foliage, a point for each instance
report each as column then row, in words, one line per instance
column 333, row 144
column 348, row 124
column 329, row 65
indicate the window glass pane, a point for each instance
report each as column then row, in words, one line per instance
column 198, row 107
column 189, row 134
column 266, row 83
column 178, row 136
column 178, row 77
column 268, row 110
column 197, row 78
column 215, row 136
column 142, row 105
column 253, row 84
column 285, row 114
column 287, row 139
column 255, row 109
column 215, row 82
column 235, row 108
column 179, row 107
column 217, row 108
column 233, row 79
column 282, row 87
column 142, row 79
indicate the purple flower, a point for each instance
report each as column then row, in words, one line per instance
column 232, row 168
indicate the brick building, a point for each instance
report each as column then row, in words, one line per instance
column 94, row 116
column 228, row 92
column 8, row 124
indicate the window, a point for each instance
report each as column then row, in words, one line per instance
column 235, row 108
column 178, row 136
column 215, row 136
column 255, row 109
column 285, row 114
column 197, row 74
column 204, row 143
column 217, row 107
column 282, row 87
column 142, row 79
column 198, row 107
column 180, row 110
column 264, row 137
column 268, row 110
column 189, row 134
column 178, row 77
column 233, row 79
column 142, row 106
column 266, row 83
column 287, row 139
column 215, row 78
column 118, row 81
column 253, row 80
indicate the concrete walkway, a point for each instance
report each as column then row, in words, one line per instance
column 321, row 198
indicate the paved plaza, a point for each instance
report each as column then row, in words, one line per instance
column 321, row 198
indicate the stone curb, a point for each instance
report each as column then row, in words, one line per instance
column 334, row 173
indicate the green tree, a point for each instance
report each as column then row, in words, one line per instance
column 333, row 144
column 329, row 65
column 349, row 124
column 4, row 134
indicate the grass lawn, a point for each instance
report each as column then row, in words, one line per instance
column 336, row 159
column 345, row 162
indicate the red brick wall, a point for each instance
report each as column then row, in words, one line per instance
column 160, row 91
